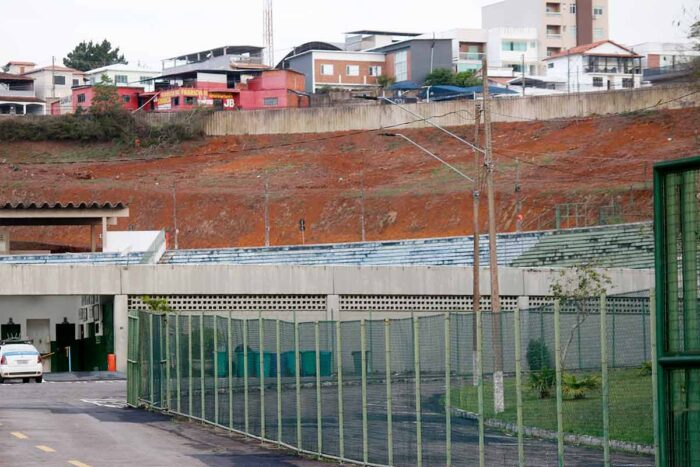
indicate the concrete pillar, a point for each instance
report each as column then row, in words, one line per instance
column 333, row 308
column 121, row 330
column 93, row 243
column 104, row 233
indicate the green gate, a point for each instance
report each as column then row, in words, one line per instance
column 677, row 226
column 133, row 367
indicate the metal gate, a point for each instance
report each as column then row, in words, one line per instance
column 133, row 368
column 677, row 225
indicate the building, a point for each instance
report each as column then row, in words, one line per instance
column 666, row 61
column 468, row 47
column 18, row 67
column 510, row 48
column 82, row 97
column 338, row 69
column 598, row 66
column 55, row 82
column 273, row 89
column 414, row 59
column 17, row 96
column 560, row 25
column 357, row 41
column 123, row 75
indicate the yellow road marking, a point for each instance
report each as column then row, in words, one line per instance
column 45, row 448
column 77, row 463
column 19, row 435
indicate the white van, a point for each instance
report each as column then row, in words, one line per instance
column 20, row 361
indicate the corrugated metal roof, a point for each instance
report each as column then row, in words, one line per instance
column 69, row 205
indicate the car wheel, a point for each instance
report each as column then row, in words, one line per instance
column 25, row 380
column 39, row 379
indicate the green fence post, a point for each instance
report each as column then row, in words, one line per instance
column 261, row 375
column 480, row 385
column 419, row 416
column 150, row 359
column 448, row 392
column 178, row 373
column 279, row 381
column 654, row 375
column 339, row 357
column 297, row 379
column 604, row 371
column 363, row 358
column 519, row 386
column 389, row 395
column 167, row 361
column 644, row 336
column 319, row 413
column 190, row 383
column 560, row 402
column 245, row 377
column 216, row 370
column 202, row 387
column 614, row 365
column 229, row 357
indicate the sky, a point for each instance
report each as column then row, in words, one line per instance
column 149, row 30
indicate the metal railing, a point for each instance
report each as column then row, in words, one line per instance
column 414, row 391
column 471, row 56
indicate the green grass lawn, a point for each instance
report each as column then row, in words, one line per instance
column 631, row 416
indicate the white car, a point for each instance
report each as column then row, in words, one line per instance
column 20, row 361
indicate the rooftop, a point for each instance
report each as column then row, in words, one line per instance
column 121, row 67
column 586, row 48
column 219, row 51
column 55, row 213
column 16, row 62
column 371, row 32
column 13, row 77
column 54, row 68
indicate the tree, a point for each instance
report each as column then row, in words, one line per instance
column 385, row 81
column 466, row 79
column 88, row 55
column 440, row 76
column 579, row 287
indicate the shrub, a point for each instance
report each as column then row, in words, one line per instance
column 577, row 388
column 538, row 355
column 542, row 382
column 645, row 369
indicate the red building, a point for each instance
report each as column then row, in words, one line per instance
column 274, row 89
column 83, row 95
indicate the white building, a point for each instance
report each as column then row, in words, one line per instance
column 599, row 66
column 123, row 75
column 55, row 82
column 468, row 47
column 508, row 48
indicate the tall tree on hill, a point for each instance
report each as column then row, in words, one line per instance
column 88, row 55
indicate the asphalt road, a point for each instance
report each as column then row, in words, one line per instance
column 86, row 424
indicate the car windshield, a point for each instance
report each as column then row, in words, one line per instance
column 10, row 350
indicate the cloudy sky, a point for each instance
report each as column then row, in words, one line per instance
column 149, row 30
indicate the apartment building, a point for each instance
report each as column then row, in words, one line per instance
column 54, row 81
column 357, row 41
column 338, row 69
column 560, row 25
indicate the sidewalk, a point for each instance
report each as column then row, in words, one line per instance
column 84, row 376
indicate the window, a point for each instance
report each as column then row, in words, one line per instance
column 572, row 8
column 514, row 46
column 126, row 99
column 144, row 79
column 597, row 11
column 550, row 65
column 81, row 98
column 352, row 70
column 121, row 79
column 598, row 33
column 270, row 102
column 573, row 30
column 190, row 100
column 175, row 101
column 401, row 65
column 627, row 83
column 59, row 80
column 327, row 70
column 76, row 82
column 598, row 82
column 375, row 71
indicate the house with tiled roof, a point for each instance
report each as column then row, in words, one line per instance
column 599, row 66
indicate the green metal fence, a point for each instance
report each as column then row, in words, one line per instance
column 678, row 313
column 410, row 391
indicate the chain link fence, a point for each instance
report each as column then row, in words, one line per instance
column 414, row 391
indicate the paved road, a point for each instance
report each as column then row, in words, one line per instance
column 85, row 424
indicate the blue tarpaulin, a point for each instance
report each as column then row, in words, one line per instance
column 445, row 92
column 405, row 86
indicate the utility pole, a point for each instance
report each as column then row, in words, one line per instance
column 53, row 76
column 498, row 395
column 176, row 230
column 476, row 292
column 523, row 70
column 568, row 72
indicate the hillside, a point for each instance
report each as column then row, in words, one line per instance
column 216, row 188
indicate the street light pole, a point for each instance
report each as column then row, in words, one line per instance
column 498, row 393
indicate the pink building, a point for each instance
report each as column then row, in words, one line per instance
column 83, row 96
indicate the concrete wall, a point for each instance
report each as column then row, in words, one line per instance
column 351, row 118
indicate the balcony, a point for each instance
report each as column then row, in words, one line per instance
column 471, row 56
column 15, row 89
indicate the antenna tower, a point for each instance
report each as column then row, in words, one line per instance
column 268, row 33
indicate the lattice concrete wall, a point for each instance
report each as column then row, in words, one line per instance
column 238, row 303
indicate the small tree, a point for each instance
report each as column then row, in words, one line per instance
column 156, row 305
column 88, row 55
column 440, row 76
column 385, row 81
column 466, row 79
column 579, row 287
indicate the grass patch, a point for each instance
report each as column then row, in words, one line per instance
column 631, row 415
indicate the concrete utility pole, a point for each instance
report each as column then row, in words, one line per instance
column 362, row 198
column 518, row 199
column 523, row 70
column 498, row 395
column 53, row 76
column 476, row 292
column 176, row 231
column 267, row 211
